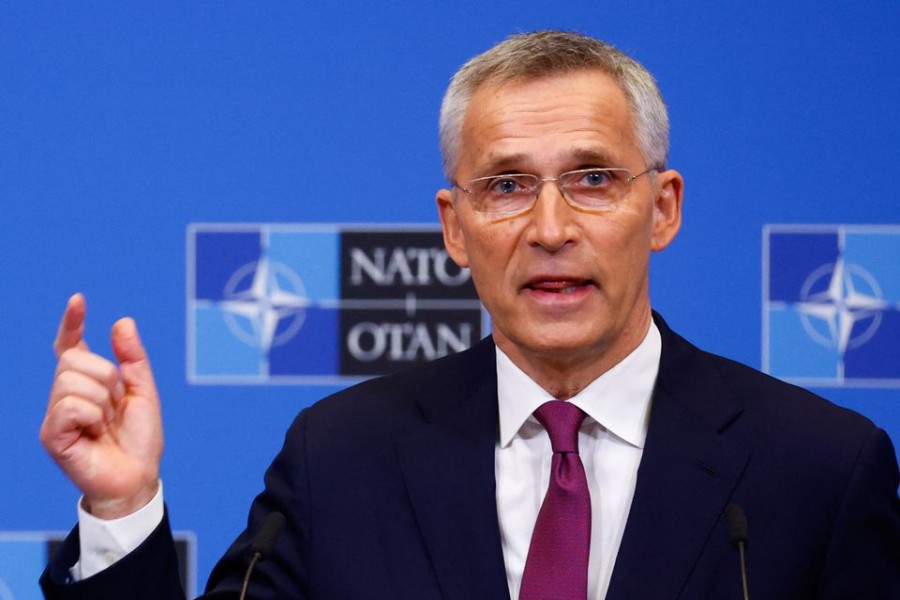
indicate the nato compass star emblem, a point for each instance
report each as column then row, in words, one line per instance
column 831, row 304
column 265, row 304
column 848, row 312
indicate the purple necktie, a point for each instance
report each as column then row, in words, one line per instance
column 557, row 564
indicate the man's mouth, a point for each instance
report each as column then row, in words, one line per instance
column 557, row 286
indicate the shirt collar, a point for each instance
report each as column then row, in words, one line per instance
column 619, row 400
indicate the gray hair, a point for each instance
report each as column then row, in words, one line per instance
column 540, row 54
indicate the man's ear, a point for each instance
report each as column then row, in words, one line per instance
column 454, row 238
column 667, row 210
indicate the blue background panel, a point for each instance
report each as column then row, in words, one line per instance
column 792, row 353
column 314, row 257
column 121, row 124
column 218, row 256
column 793, row 256
column 218, row 351
column 880, row 254
column 21, row 564
column 879, row 358
column 313, row 351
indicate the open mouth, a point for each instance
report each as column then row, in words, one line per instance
column 558, row 286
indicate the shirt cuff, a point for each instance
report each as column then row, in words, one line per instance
column 102, row 543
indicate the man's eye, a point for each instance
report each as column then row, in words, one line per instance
column 593, row 178
column 505, row 185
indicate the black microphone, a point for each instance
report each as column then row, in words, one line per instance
column 737, row 528
column 262, row 544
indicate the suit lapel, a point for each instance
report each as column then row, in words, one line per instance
column 448, row 469
column 689, row 468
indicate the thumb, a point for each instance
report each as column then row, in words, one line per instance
column 134, row 365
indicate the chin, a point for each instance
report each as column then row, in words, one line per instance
column 559, row 343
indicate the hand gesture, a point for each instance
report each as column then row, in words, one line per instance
column 103, row 424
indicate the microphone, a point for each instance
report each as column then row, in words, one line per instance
column 262, row 544
column 737, row 529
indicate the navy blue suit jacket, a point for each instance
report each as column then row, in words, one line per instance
column 388, row 488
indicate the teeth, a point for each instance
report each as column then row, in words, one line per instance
column 563, row 290
column 558, row 287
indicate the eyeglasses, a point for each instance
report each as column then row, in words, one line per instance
column 590, row 190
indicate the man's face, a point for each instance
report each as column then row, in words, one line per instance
column 564, row 287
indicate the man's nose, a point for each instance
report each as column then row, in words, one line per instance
column 552, row 218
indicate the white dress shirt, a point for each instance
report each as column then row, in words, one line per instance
column 103, row 542
column 610, row 443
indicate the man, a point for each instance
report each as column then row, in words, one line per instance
column 583, row 451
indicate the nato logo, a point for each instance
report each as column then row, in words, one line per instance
column 329, row 304
column 831, row 304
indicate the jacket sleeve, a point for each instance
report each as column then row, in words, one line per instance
column 863, row 559
column 150, row 572
column 284, row 574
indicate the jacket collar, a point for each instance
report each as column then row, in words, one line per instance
column 689, row 469
column 448, row 468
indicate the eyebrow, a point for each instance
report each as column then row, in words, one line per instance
column 592, row 157
column 577, row 158
column 502, row 164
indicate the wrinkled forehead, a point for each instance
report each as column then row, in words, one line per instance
column 581, row 112
column 599, row 82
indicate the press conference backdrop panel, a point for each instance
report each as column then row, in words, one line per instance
column 133, row 138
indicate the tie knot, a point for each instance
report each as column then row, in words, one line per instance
column 562, row 421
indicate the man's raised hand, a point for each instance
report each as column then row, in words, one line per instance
column 103, row 424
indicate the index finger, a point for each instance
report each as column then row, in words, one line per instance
column 71, row 327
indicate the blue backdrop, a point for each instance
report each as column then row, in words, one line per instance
column 121, row 124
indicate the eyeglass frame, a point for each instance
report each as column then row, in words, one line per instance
column 562, row 191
